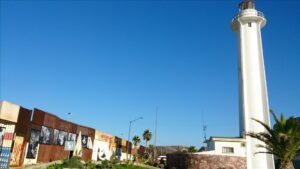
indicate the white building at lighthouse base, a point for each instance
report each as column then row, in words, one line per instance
column 228, row 146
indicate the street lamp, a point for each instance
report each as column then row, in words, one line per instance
column 130, row 122
column 69, row 115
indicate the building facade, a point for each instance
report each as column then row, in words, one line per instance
column 228, row 146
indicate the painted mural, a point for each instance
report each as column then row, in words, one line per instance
column 101, row 151
column 21, row 146
column 46, row 136
column 6, row 136
column 2, row 130
column 102, row 146
column 33, row 144
column 55, row 136
column 72, row 137
column 90, row 143
column 17, row 150
column 84, row 141
column 62, row 137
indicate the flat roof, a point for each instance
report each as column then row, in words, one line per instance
column 226, row 139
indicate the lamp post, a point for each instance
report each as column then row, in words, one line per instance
column 69, row 115
column 130, row 122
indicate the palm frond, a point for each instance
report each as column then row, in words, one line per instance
column 283, row 140
column 274, row 116
column 266, row 126
column 266, row 152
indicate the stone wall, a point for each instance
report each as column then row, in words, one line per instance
column 201, row 161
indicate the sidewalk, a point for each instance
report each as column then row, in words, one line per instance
column 37, row 166
column 45, row 165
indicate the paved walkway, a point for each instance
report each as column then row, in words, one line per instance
column 37, row 166
column 45, row 165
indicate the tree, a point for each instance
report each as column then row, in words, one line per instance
column 136, row 140
column 151, row 150
column 147, row 135
column 192, row 149
column 282, row 141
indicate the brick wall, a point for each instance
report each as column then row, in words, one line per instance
column 201, row 161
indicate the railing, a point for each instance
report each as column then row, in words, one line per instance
column 258, row 13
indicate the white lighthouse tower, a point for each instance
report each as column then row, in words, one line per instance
column 253, row 95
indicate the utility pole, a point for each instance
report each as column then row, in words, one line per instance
column 130, row 122
column 155, row 132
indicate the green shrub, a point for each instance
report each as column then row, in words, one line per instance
column 73, row 162
column 113, row 158
column 55, row 166
column 124, row 166
column 90, row 165
column 106, row 165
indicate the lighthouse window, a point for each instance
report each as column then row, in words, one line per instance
column 249, row 24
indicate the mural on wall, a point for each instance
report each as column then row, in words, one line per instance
column 71, row 137
column 7, row 133
column 62, row 137
column 2, row 130
column 84, row 141
column 55, row 136
column 33, row 144
column 17, row 150
column 46, row 136
column 71, row 141
column 100, row 150
column 101, row 155
column 107, row 138
column 89, row 143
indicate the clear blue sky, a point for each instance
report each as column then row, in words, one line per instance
column 109, row 62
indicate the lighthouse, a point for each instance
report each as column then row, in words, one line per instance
column 253, row 96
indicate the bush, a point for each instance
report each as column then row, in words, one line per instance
column 124, row 166
column 55, row 166
column 106, row 165
column 73, row 162
column 90, row 165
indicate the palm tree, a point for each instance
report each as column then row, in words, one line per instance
column 282, row 141
column 136, row 140
column 147, row 135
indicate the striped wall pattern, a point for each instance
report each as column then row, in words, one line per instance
column 7, row 138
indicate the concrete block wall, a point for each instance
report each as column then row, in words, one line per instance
column 200, row 161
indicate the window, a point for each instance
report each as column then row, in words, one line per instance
column 227, row 150
column 249, row 24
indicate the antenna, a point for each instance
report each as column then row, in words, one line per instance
column 204, row 131
column 204, row 127
column 155, row 125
